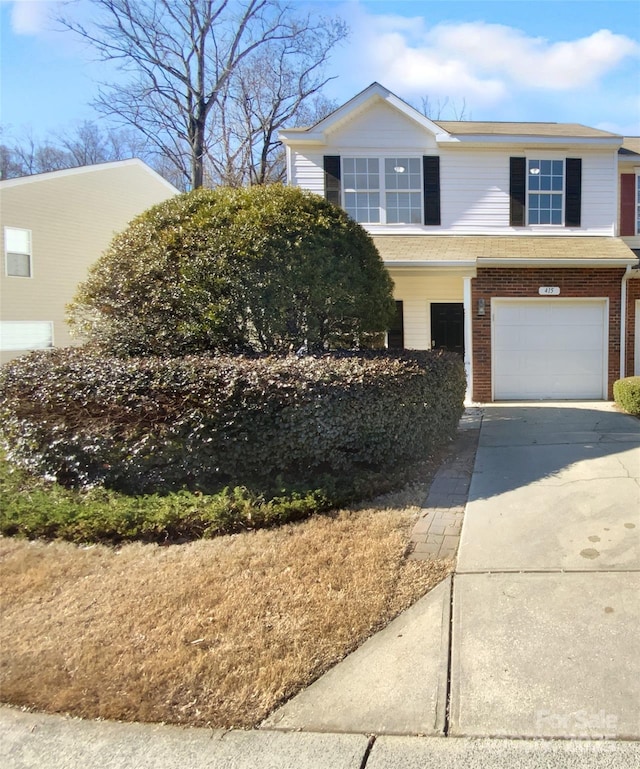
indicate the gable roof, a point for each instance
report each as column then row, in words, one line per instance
column 449, row 131
column 486, row 250
column 359, row 103
column 97, row 167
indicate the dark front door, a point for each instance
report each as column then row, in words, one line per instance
column 447, row 326
column 395, row 335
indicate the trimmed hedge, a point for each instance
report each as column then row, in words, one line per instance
column 626, row 393
column 32, row 507
column 274, row 425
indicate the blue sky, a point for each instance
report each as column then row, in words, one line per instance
column 549, row 60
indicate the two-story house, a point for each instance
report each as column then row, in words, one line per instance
column 502, row 240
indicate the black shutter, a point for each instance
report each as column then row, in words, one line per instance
column 332, row 179
column 517, row 191
column 627, row 204
column 395, row 335
column 573, row 181
column 431, row 184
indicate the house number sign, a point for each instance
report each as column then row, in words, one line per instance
column 549, row 290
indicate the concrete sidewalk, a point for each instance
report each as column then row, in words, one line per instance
column 34, row 741
column 534, row 637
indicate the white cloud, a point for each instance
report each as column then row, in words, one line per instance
column 486, row 64
column 31, row 17
column 533, row 61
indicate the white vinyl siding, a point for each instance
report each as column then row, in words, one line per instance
column 307, row 172
column 474, row 189
column 383, row 129
column 25, row 335
column 549, row 349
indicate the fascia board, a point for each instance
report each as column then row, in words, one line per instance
column 525, row 141
column 516, row 262
column 458, row 263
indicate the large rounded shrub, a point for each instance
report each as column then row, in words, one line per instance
column 262, row 269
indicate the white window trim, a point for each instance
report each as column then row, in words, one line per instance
column 541, row 157
column 7, row 252
column 382, row 189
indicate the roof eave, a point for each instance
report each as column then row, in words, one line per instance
column 527, row 140
column 553, row 262
column 461, row 263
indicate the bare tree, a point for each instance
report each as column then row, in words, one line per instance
column 278, row 85
column 88, row 143
column 79, row 145
column 437, row 110
column 33, row 157
column 181, row 57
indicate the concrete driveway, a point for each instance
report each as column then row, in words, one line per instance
column 546, row 597
column 555, row 487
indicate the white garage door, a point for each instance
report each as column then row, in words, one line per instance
column 549, row 349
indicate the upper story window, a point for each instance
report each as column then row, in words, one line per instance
column 17, row 252
column 637, row 204
column 361, row 177
column 545, row 191
column 383, row 190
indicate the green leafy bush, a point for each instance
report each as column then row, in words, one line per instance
column 34, row 508
column 277, row 426
column 259, row 269
column 626, row 393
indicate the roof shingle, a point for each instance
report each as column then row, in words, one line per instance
column 427, row 249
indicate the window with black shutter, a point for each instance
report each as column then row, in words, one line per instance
column 332, row 191
column 431, row 182
column 517, row 191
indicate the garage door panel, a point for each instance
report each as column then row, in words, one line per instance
column 548, row 349
column 540, row 388
column 560, row 338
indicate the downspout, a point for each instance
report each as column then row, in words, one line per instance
column 623, row 320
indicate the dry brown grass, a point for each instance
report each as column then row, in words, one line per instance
column 213, row 633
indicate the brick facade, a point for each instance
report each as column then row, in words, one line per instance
column 633, row 295
column 524, row 283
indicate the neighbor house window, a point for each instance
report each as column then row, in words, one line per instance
column 383, row 190
column 545, row 191
column 17, row 252
column 25, row 335
column 637, row 204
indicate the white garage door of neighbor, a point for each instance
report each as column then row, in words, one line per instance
column 549, row 349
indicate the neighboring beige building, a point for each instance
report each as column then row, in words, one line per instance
column 54, row 226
